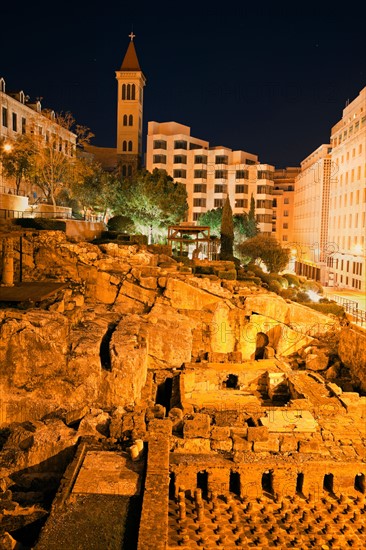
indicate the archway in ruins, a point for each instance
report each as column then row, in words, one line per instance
column 267, row 482
column 328, row 483
column 260, row 346
column 202, row 482
column 360, row 483
column 232, row 381
column 234, row 483
column 164, row 394
column 299, row 483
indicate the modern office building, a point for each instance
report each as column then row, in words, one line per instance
column 210, row 173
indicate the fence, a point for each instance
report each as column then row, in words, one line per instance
column 351, row 307
column 17, row 214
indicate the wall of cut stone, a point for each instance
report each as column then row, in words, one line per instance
column 352, row 351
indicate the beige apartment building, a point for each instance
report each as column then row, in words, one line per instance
column 330, row 205
column 283, row 204
column 210, row 173
column 311, row 214
column 347, row 200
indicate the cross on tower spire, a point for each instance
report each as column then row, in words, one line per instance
column 132, row 36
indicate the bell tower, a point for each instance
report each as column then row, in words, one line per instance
column 131, row 82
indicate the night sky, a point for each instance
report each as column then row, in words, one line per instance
column 269, row 80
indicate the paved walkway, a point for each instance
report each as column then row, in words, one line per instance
column 353, row 301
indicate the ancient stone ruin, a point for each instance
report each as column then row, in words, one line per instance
column 145, row 407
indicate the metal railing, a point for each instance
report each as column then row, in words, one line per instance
column 17, row 214
column 351, row 307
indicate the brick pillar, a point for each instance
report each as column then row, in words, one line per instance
column 153, row 533
column 8, row 263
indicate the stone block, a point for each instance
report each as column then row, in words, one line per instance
column 198, row 426
column 272, row 445
column 195, row 445
column 226, row 445
column 288, row 443
column 241, row 444
column 220, row 433
column 257, row 433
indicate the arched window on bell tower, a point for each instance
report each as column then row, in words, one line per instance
column 130, row 145
column 130, row 120
column 133, row 91
column 124, row 120
column 124, row 146
column 123, row 91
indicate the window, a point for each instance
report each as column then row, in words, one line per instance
column 200, row 159
column 159, row 144
column 179, row 144
column 159, row 159
column 128, row 91
column 264, row 189
column 218, row 203
column 180, row 159
column 124, row 146
column 285, row 226
column 124, row 167
column 286, row 200
column 241, row 189
column 221, row 174
column 195, row 146
column 242, row 174
column 265, row 175
column 199, row 202
column 284, row 237
column 124, row 120
column 130, row 120
column 221, row 159
column 200, row 173
column 196, row 216
column 179, row 173
column 130, row 145
column 5, row 117
column 285, row 213
column 249, row 161
column 220, row 188
column 14, row 122
column 24, row 125
column 199, row 188
column 241, row 203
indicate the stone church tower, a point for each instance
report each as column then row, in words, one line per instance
column 131, row 82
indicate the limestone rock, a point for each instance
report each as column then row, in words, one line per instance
column 316, row 361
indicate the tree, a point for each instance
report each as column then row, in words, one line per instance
column 212, row 218
column 52, row 168
column 152, row 200
column 246, row 224
column 267, row 249
column 94, row 189
column 17, row 159
column 227, row 232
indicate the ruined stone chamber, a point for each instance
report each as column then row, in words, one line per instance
column 164, row 410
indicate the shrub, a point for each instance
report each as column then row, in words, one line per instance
column 302, row 297
column 292, row 279
column 288, row 293
column 274, row 286
column 332, row 308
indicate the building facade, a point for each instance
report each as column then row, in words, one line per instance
column 311, row 214
column 330, row 205
column 211, row 173
column 20, row 116
column 283, row 204
column 347, row 199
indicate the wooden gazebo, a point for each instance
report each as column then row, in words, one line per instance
column 182, row 236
